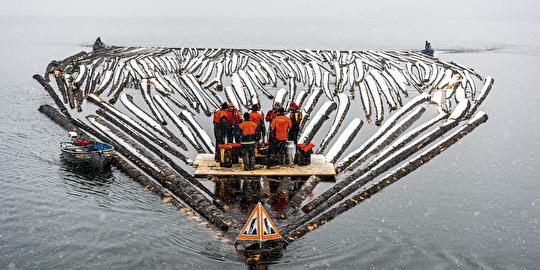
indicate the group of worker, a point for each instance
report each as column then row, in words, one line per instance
column 249, row 131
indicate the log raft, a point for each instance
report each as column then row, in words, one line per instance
column 177, row 74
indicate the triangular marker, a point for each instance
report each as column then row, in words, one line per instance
column 259, row 226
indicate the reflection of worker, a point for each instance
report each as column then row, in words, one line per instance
column 233, row 119
column 279, row 128
column 296, row 119
column 247, row 141
column 257, row 118
column 220, row 126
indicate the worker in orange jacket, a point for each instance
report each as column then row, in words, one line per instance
column 247, row 141
column 258, row 119
column 220, row 126
column 279, row 129
column 233, row 119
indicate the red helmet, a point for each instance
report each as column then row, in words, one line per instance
column 293, row 105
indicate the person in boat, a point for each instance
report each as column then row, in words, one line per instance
column 233, row 119
column 258, row 119
column 279, row 128
column 296, row 119
column 247, row 141
column 220, row 127
column 427, row 47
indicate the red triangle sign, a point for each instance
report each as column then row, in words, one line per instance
column 259, row 226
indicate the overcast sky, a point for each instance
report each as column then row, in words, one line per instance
column 500, row 10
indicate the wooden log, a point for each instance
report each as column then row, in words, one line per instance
column 392, row 134
column 53, row 95
column 117, row 161
column 488, row 83
column 317, row 122
column 343, row 108
column 296, row 200
column 172, row 182
column 61, row 85
column 161, row 155
column 265, row 187
column 344, row 140
column 120, row 89
column 382, row 131
column 124, row 127
column 60, row 119
column 293, row 234
column 50, row 69
column 346, row 186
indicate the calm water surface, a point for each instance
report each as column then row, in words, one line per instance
column 475, row 206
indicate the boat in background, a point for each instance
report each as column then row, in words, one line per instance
column 427, row 49
column 86, row 153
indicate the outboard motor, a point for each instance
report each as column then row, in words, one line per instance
column 73, row 136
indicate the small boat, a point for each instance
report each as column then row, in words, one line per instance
column 86, row 153
column 427, row 49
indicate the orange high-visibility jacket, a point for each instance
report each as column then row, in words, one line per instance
column 247, row 127
column 256, row 117
column 218, row 114
column 280, row 126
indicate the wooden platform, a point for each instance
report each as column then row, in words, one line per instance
column 206, row 165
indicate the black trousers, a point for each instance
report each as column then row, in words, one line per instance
column 233, row 134
column 219, row 133
column 248, row 155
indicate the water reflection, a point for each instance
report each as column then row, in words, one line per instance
column 242, row 196
column 85, row 180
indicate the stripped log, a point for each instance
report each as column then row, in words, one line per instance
column 488, row 83
column 316, row 123
column 293, row 233
column 344, row 140
column 343, row 108
column 181, row 126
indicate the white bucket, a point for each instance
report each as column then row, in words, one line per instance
column 291, row 149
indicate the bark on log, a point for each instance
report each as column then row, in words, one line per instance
column 387, row 140
column 117, row 161
column 163, row 168
column 53, row 94
column 172, row 182
column 61, row 85
column 382, row 131
column 296, row 200
column 344, row 188
column 293, row 235
column 218, row 202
